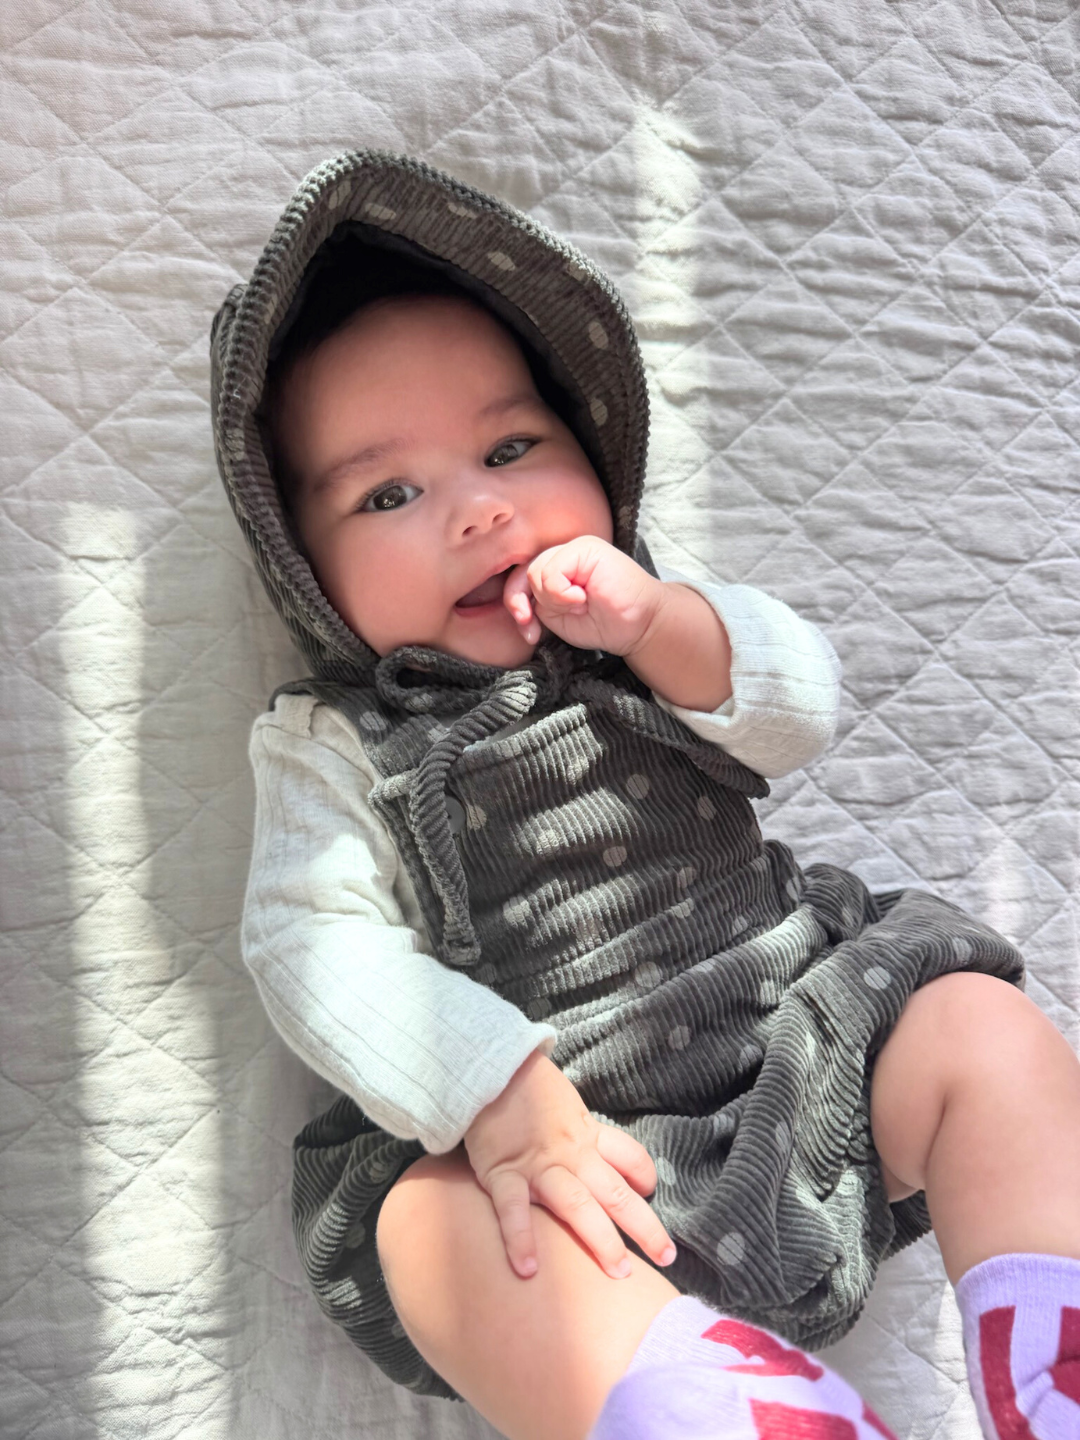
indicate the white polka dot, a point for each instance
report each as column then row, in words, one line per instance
column 372, row 722
column 683, row 908
column 500, row 259
column 705, row 808
column 749, row 1056
column 598, row 410
column 476, row 816
column 437, row 731
column 235, row 443
column 686, row 877
column 378, row 1167
column 731, row 1248
column 576, row 271
column 961, row 949
column 793, row 890
column 739, row 924
column 340, row 194
column 850, row 916
column 769, row 993
column 397, row 1330
column 547, row 842
column 638, row 786
column 614, row 855
column 648, row 975
column 877, row 978
column 783, row 1135
column 355, row 1235
column 423, row 702
column 626, row 514
column 679, row 1037
column 455, row 814
column 380, row 212
column 456, row 208
column 516, row 912
column 665, row 1171
column 598, row 335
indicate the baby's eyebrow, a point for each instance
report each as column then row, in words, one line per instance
column 358, row 461
column 382, row 449
column 511, row 402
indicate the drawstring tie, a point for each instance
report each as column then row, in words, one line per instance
column 491, row 697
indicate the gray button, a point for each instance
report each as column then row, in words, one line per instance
column 455, row 813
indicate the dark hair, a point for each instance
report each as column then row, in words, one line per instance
column 353, row 269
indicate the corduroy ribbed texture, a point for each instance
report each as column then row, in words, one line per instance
column 602, row 869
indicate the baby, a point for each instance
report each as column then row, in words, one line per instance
column 507, row 892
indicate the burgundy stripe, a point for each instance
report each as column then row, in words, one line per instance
column 758, row 1344
column 1066, row 1373
column 995, row 1347
column 786, row 1422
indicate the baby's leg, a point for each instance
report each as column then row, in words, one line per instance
column 536, row 1357
column 976, row 1099
column 551, row 1357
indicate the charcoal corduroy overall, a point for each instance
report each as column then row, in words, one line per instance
column 602, row 869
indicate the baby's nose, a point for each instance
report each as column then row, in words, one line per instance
column 483, row 509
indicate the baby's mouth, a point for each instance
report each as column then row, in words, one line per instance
column 484, row 594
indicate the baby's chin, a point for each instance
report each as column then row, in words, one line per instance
column 507, row 651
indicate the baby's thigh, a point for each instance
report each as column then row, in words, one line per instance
column 536, row 1357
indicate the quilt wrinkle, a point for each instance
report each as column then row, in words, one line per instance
column 848, row 236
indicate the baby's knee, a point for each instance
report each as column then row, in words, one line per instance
column 967, row 1015
column 952, row 1037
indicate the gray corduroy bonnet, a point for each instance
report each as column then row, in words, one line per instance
column 381, row 209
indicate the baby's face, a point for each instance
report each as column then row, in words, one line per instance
column 426, row 463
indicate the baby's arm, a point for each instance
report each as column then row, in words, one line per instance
column 345, row 978
column 737, row 666
column 784, row 677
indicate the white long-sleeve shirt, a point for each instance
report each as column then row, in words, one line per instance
column 332, row 929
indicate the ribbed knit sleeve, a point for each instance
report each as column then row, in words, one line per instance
column 785, row 679
column 342, row 973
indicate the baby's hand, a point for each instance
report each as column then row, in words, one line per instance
column 592, row 596
column 537, row 1142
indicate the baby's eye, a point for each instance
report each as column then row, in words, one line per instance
column 386, row 498
column 509, row 450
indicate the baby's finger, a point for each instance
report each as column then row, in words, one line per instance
column 517, row 595
column 551, row 583
column 566, row 1196
column 626, row 1207
column 627, row 1156
column 509, row 1191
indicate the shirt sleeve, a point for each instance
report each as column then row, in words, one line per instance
column 785, row 679
column 344, row 977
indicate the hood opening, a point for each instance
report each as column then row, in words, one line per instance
column 359, row 263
